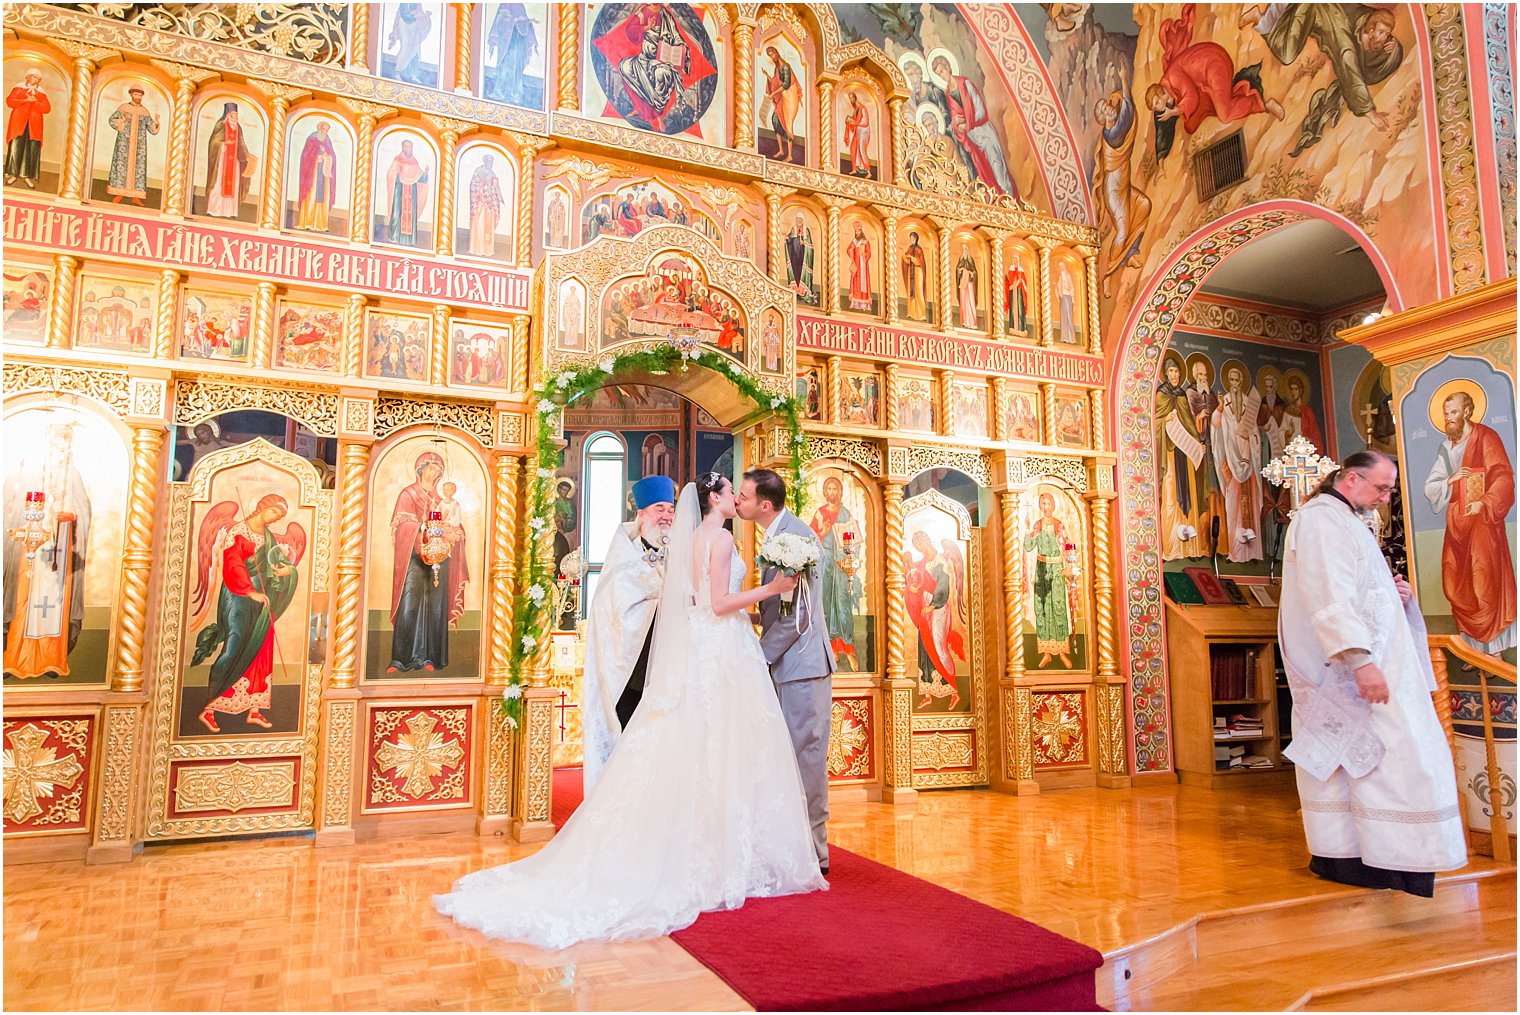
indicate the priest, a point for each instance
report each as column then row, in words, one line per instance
column 1375, row 774
column 621, row 621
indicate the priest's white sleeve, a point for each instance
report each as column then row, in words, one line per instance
column 1328, row 584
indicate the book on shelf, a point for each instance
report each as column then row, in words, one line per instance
column 1231, row 668
column 1208, row 586
column 1237, row 597
column 1181, row 588
column 1256, row 761
column 1262, row 595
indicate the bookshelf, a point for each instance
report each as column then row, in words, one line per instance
column 1225, row 667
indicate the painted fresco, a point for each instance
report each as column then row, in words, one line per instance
column 1364, row 415
column 515, row 41
column 862, row 125
column 783, row 98
column 131, row 141
column 308, row 336
column 939, row 55
column 1055, row 574
column 968, row 280
column 215, row 325
column 915, row 404
column 838, row 511
column 484, row 199
column 917, row 266
column 970, row 410
column 673, row 298
column 480, row 355
column 937, row 596
column 1021, row 292
column 37, row 100
column 860, row 399
column 396, row 345
column 418, row 627
column 319, row 163
column 26, row 302
column 1225, row 407
column 810, row 391
column 1458, row 434
column 571, row 316
column 58, row 605
column 861, row 257
column 115, row 314
column 1022, row 414
column 411, row 42
column 240, row 426
column 659, row 67
column 404, row 189
column 229, row 143
column 631, row 209
column 556, row 219
column 1071, row 421
column 1068, row 298
column 250, row 605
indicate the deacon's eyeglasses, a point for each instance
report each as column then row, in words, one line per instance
column 1379, row 487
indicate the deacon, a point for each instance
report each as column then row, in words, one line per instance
column 1375, row 775
column 621, row 621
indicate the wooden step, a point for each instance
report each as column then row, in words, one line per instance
column 1482, row 984
column 1270, row 957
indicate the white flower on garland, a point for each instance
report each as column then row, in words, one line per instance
column 537, row 524
column 776, row 403
column 511, row 723
column 512, row 691
column 536, row 593
column 545, row 473
column 529, row 643
column 799, row 438
column 547, row 407
column 607, row 365
column 564, row 379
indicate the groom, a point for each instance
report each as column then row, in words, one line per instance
column 801, row 662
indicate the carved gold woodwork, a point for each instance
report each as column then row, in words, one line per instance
column 774, row 249
column 946, row 397
column 744, row 85
column 358, row 36
column 535, row 749
column 339, row 743
column 1023, row 732
column 496, row 802
column 1013, row 583
column 261, row 351
column 199, row 398
column 569, row 55
column 108, row 387
column 438, row 347
column 835, row 208
column 137, row 558
column 86, row 58
column 166, row 313
column 897, row 689
column 353, row 334
column 61, row 308
column 1094, row 308
column 946, row 283
column 116, row 806
column 893, row 387
column 264, row 754
column 353, row 486
column 896, row 124
column 186, row 80
column 1103, row 586
column 1048, row 413
column 370, row 114
column 828, row 158
column 282, row 96
column 449, row 132
column 1099, row 426
column 834, row 386
column 1047, row 328
column 520, row 345
column 999, row 301
column 891, row 269
column 1113, row 759
column 503, row 571
column 922, row 457
column 464, row 26
column 528, row 149
column 998, row 406
column 866, row 454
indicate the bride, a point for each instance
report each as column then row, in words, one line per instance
column 700, row 806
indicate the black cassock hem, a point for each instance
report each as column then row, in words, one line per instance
column 1351, row 871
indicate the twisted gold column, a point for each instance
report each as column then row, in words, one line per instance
column 369, row 113
column 827, row 161
column 449, row 131
column 353, row 496
column 898, row 128
column 261, row 354
column 998, row 304
column 1013, row 583
column 521, row 335
column 569, row 55
column 163, row 319
column 541, row 665
column 1047, row 330
column 947, row 412
column 274, row 162
column 998, row 406
column 176, row 184
column 76, row 148
column 137, row 558
column 504, row 526
column 1048, row 414
column 358, row 36
column 834, row 376
column 744, row 86
column 891, row 268
column 61, row 304
column 942, row 314
column 1099, row 424
column 897, row 690
column 438, row 359
column 835, row 206
column 774, row 249
column 1094, row 309
column 1103, row 587
column 353, row 335
column 893, row 416
column 528, row 149
column 464, row 27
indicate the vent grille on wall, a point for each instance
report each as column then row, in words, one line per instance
column 1220, row 166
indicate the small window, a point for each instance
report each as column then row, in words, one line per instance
column 604, row 466
column 1220, row 166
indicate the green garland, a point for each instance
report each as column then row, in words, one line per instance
column 530, row 617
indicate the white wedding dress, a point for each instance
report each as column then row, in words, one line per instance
column 700, row 806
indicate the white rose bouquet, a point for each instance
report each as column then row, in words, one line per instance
column 793, row 556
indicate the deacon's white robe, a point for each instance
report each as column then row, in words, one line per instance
column 1376, row 782
column 622, row 611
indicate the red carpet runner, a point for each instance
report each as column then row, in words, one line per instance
column 880, row 939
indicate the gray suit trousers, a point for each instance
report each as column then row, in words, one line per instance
column 806, row 704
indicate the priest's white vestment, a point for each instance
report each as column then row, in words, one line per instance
column 622, row 612
column 1376, row 782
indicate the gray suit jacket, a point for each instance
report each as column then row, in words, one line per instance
column 793, row 656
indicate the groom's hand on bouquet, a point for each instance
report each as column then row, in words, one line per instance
column 781, row 584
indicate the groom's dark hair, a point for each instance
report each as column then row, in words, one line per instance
column 768, row 486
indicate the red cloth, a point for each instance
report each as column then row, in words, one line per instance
column 1200, row 77
column 26, row 113
column 235, row 576
column 1476, row 573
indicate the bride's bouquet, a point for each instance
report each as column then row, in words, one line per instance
column 793, row 556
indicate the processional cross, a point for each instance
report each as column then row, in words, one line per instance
column 1299, row 468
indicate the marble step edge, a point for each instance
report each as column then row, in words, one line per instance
column 1404, row 978
column 1169, row 951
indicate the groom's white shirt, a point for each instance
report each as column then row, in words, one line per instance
column 770, row 530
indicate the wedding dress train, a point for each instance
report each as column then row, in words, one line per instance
column 700, row 806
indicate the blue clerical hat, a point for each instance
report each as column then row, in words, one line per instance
column 654, row 490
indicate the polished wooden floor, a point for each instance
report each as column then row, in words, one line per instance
column 277, row 924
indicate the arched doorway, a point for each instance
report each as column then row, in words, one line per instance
column 1148, row 334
